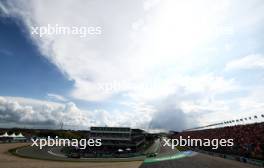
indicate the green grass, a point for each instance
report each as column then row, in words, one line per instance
column 183, row 148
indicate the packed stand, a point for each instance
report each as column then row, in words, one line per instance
column 248, row 139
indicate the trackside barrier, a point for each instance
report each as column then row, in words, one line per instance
column 234, row 157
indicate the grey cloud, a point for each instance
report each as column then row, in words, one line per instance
column 171, row 116
column 169, row 119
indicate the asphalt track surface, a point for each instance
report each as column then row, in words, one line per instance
column 7, row 160
column 47, row 153
column 191, row 160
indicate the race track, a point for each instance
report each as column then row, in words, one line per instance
column 7, row 160
column 168, row 158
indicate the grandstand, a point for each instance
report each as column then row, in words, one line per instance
column 247, row 151
column 119, row 139
column 248, row 139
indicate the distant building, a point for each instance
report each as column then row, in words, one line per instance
column 119, row 139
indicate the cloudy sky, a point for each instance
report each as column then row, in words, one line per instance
column 154, row 64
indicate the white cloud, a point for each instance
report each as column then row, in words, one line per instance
column 3, row 10
column 253, row 102
column 41, row 113
column 143, row 43
column 36, row 112
column 165, row 36
column 56, row 97
column 248, row 62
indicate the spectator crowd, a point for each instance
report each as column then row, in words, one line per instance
column 248, row 139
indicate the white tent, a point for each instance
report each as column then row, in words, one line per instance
column 120, row 150
column 20, row 135
column 4, row 135
column 13, row 135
